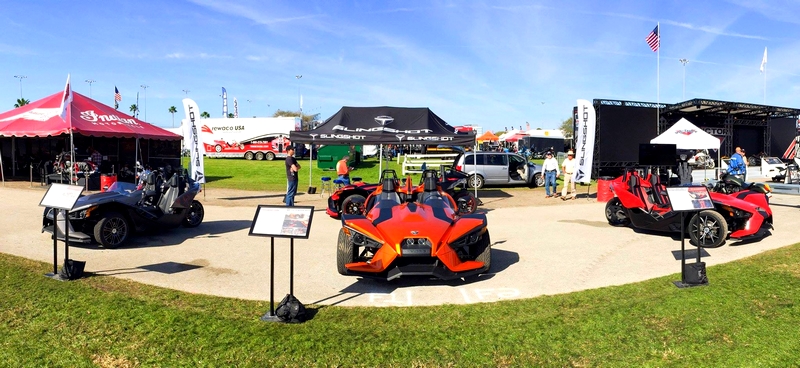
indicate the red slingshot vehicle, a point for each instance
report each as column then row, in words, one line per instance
column 413, row 231
column 642, row 202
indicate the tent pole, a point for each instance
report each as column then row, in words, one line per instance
column 310, row 155
column 475, row 162
column 13, row 157
column 2, row 169
column 380, row 159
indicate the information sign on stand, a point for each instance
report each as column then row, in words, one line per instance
column 683, row 200
column 281, row 222
column 61, row 198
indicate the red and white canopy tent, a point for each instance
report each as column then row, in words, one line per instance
column 85, row 116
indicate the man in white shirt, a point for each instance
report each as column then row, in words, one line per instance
column 568, row 167
column 551, row 172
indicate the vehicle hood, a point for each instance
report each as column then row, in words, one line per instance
column 411, row 220
column 99, row 198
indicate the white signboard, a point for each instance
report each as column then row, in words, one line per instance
column 689, row 198
column 282, row 221
column 61, row 196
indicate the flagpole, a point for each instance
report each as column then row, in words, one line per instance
column 658, row 79
column 765, row 83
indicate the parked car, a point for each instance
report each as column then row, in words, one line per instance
column 498, row 168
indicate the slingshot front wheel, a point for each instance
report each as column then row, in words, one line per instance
column 708, row 229
column 615, row 213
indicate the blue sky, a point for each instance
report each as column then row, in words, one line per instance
column 494, row 63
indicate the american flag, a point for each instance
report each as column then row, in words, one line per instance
column 117, row 96
column 654, row 39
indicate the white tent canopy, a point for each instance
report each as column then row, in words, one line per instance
column 686, row 135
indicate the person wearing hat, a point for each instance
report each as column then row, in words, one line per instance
column 568, row 168
column 551, row 172
column 292, row 167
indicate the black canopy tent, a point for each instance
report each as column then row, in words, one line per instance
column 384, row 125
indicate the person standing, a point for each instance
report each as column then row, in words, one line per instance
column 96, row 157
column 568, row 168
column 343, row 170
column 736, row 165
column 746, row 164
column 292, row 167
column 551, row 172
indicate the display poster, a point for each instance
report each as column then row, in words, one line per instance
column 282, row 221
column 689, row 198
column 62, row 196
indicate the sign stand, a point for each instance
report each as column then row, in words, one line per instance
column 683, row 200
column 61, row 198
column 281, row 222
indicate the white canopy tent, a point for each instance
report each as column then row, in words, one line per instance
column 687, row 136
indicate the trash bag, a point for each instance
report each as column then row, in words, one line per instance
column 291, row 310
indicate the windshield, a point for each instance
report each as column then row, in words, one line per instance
column 121, row 187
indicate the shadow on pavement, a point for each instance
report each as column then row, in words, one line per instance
column 501, row 260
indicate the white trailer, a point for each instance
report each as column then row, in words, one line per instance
column 249, row 138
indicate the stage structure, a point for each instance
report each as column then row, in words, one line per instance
column 623, row 125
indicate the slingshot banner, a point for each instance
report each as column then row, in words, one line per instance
column 584, row 144
column 192, row 140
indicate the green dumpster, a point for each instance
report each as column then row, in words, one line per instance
column 329, row 155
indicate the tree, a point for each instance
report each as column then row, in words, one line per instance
column 230, row 115
column 173, row 110
column 134, row 109
column 21, row 102
column 205, row 115
column 306, row 119
column 568, row 128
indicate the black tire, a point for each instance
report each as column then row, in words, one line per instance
column 194, row 215
column 708, row 229
column 353, row 205
column 112, row 230
column 249, row 155
column 465, row 202
column 486, row 254
column 269, row 156
column 345, row 253
column 615, row 213
column 538, row 180
column 752, row 161
column 475, row 181
column 259, row 156
column 217, row 148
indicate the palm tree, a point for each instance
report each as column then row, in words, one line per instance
column 173, row 110
column 205, row 115
column 21, row 102
column 134, row 109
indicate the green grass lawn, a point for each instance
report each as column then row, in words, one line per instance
column 236, row 173
column 748, row 316
column 271, row 175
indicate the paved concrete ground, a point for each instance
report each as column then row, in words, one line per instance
column 537, row 250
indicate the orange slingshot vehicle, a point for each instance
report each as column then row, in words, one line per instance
column 412, row 231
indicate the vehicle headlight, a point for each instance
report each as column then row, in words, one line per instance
column 468, row 239
column 361, row 239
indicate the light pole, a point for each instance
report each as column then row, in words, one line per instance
column 684, row 62
column 300, row 97
column 20, row 77
column 145, row 100
column 90, row 81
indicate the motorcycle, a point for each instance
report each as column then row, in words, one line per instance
column 729, row 184
column 702, row 160
column 163, row 200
